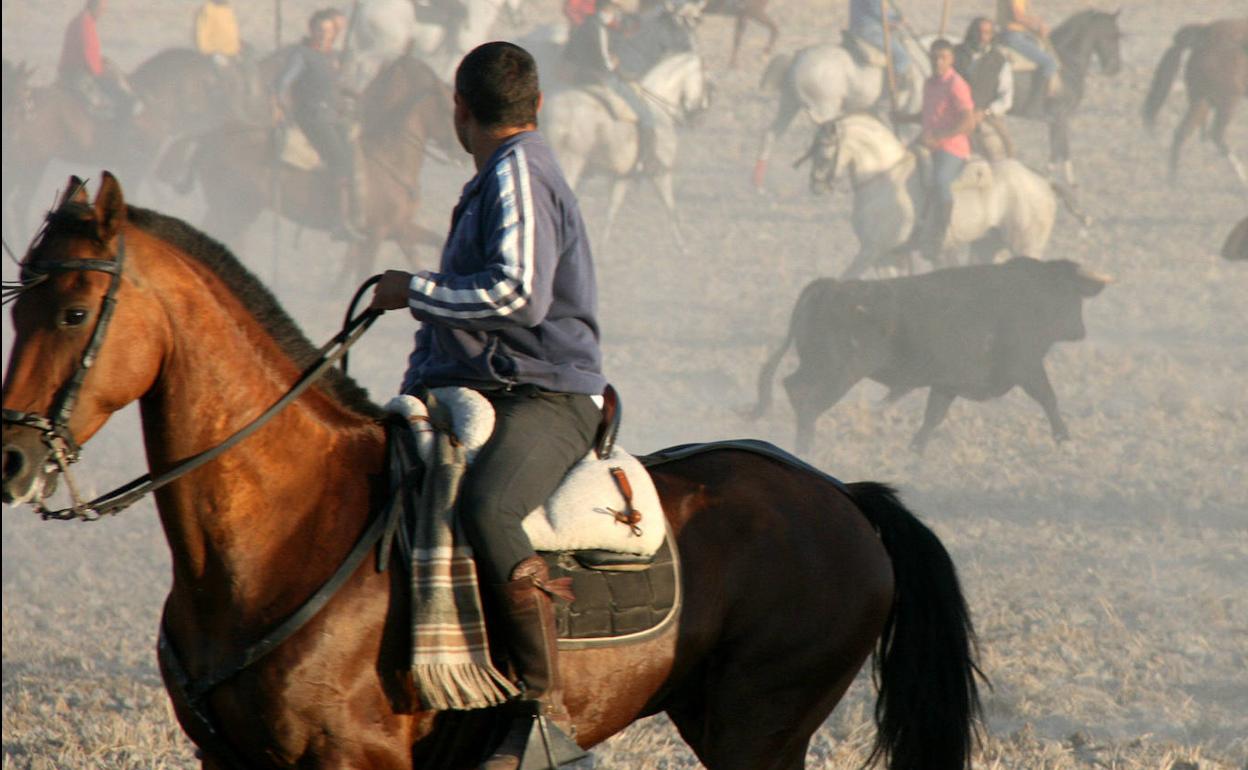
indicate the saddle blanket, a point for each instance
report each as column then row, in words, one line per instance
column 581, row 513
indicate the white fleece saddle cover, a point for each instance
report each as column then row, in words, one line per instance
column 580, row 513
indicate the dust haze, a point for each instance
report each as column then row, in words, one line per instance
column 1107, row 576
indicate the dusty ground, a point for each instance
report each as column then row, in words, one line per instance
column 1108, row 576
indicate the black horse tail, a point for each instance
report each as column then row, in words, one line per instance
column 1167, row 69
column 928, row 710
column 767, row 375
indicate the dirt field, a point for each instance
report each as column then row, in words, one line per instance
column 1108, row 576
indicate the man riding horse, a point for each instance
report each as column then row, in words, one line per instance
column 309, row 87
column 84, row 70
column 511, row 313
column 991, row 78
column 948, row 117
column 591, row 50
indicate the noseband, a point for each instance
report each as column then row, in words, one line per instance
column 54, row 428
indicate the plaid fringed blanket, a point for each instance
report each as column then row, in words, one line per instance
column 451, row 664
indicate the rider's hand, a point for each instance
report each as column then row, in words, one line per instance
column 391, row 292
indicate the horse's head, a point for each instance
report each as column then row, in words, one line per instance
column 408, row 98
column 83, row 346
column 824, row 156
column 1090, row 34
column 1107, row 41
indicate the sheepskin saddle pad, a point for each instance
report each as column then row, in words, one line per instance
column 624, row 572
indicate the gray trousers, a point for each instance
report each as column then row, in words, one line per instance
column 538, row 437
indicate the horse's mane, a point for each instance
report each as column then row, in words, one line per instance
column 1077, row 22
column 78, row 219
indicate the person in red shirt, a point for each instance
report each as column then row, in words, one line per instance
column 83, row 67
column 948, row 118
column 577, row 11
column 80, row 53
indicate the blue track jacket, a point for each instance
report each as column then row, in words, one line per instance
column 515, row 300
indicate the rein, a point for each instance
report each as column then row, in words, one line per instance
column 54, row 428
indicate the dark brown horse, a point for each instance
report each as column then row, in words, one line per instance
column 790, row 579
column 1216, row 77
column 180, row 92
column 404, row 109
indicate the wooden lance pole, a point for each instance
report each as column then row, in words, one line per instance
column 890, row 74
column 944, row 18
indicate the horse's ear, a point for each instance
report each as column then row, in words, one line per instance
column 75, row 192
column 110, row 207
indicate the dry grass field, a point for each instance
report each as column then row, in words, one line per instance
column 1108, row 576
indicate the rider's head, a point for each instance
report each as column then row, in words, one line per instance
column 95, row 7
column 980, row 33
column 942, row 57
column 322, row 29
column 496, row 92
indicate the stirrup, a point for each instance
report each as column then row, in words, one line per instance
column 548, row 747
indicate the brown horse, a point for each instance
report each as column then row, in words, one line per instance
column 1216, row 77
column 180, row 92
column 403, row 110
column 745, row 11
column 790, row 579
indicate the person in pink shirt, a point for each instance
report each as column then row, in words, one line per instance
column 948, row 118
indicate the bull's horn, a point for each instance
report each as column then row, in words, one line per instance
column 1093, row 275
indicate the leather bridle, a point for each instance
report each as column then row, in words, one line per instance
column 54, row 428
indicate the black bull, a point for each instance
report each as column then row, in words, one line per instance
column 974, row 332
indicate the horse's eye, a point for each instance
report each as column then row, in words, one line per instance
column 73, row 316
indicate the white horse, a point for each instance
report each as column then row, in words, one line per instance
column 382, row 30
column 826, row 81
column 593, row 130
column 996, row 205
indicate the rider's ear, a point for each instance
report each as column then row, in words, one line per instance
column 75, row 192
column 110, row 207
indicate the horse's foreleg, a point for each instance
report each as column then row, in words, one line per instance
column 738, row 33
column 663, row 184
column 773, row 30
column 1221, row 118
column 1197, row 111
column 619, row 188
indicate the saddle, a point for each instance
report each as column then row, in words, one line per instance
column 292, row 147
column 977, row 175
column 866, row 54
column 603, row 527
column 619, row 108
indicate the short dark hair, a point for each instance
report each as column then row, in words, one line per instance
column 940, row 44
column 498, row 82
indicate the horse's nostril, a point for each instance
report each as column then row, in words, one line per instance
column 14, row 462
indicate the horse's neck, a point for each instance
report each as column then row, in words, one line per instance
column 669, row 79
column 872, row 149
column 1073, row 47
column 296, row 486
